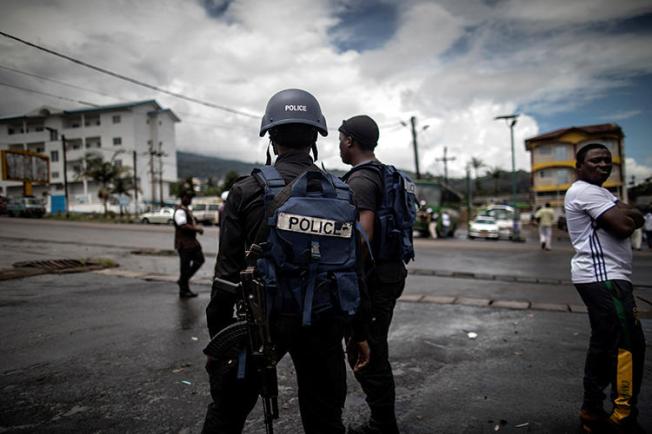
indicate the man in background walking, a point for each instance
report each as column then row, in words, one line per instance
column 186, row 244
column 545, row 217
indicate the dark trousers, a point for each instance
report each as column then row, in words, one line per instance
column 190, row 261
column 616, row 350
column 648, row 235
column 376, row 379
column 318, row 359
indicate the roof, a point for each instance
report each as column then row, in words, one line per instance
column 52, row 111
column 586, row 129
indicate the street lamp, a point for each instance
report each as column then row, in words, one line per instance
column 511, row 121
column 54, row 133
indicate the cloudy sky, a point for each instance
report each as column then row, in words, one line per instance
column 454, row 64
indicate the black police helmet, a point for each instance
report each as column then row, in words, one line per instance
column 293, row 106
column 363, row 129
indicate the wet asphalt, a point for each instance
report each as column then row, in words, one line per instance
column 96, row 352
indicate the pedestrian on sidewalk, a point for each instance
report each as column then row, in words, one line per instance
column 647, row 227
column 599, row 226
column 186, row 244
column 386, row 277
column 545, row 217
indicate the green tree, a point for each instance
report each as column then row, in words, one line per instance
column 477, row 164
column 105, row 173
column 124, row 185
column 229, row 179
column 495, row 173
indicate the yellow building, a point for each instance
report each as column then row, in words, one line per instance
column 552, row 157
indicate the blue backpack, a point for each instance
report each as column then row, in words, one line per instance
column 309, row 257
column 395, row 216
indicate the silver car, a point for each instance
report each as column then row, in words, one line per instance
column 164, row 215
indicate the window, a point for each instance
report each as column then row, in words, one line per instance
column 118, row 163
column 545, row 150
column 117, row 141
column 40, row 150
column 542, row 173
column 55, row 175
column 54, row 156
column 54, row 135
column 116, row 119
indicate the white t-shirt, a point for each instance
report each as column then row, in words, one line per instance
column 180, row 218
column 648, row 222
column 599, row 256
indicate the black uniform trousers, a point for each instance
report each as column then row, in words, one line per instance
column 616, row 349
column 318, row 359
column 376, row 379
column 190, row 261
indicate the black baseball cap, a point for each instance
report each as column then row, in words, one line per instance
column 362, row 128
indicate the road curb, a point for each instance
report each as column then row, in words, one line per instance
column 645, row 311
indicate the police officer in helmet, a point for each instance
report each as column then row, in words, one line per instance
column 385, row 281
column 293, row 119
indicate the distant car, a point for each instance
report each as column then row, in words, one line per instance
column 25, row 206
column 504, row 216
column 164, row 215
column 484, row 227
column 207, row 211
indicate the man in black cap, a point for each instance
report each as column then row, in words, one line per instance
column 386, row 280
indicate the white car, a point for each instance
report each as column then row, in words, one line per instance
column 164, row 215
column 484, row 227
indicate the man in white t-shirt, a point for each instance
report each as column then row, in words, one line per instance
column 599, row 227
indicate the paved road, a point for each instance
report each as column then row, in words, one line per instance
column 96, row 353
column 26, row 239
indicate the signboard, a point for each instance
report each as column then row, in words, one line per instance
column 25, row 166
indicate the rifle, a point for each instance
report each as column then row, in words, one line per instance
column 252, row 324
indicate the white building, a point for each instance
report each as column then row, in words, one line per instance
column 142, row 130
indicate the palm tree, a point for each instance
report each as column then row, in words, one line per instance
column 123, row 185
column 103, row 172
column 476, row 163
column 495, row 173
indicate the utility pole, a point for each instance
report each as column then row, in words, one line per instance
column 468, row 196
column 413, row 121
column 54, row 133
column 65, row 174
column 511, row 121
column 152, row 172
column 160, row 154
column 445, row 159
column 135, row 155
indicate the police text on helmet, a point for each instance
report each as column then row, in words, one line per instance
column 295, row 108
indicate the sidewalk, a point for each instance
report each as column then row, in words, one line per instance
column 88, row 352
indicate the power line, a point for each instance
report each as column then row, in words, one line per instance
column 74, row 86
column 48, row 94
column 129, row 79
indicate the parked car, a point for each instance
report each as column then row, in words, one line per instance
column 504, row 216
column 207, row 211
column 164, row 215
column 25, row 206
column 3, row 205
column 484, row 227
